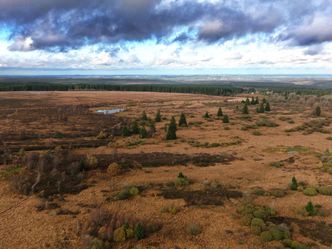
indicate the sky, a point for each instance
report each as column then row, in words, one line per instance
column 65, row 37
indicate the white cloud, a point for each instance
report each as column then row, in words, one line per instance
column 247, row 52
column 22, row 44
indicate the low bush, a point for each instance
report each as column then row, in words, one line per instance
column 193, row 229
column 96, row 244
column 310, row 191
column 127, row 192
column 258, row 218
column 181, row 180
column 266, row 236
column 91, row 162
column 258, row 191
column 102, row 135
column 10, row 171
column 248, row 127
column 170, row 209
column 106, row 228
column 312, row 126
column 277, row 192
column 294, row 244
column 277, row 164
column 325, row 190
column 256, row 133
column 257, row 225
column 114, row 169
column 266, row 123
column 279, row 232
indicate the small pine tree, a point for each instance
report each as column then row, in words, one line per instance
column 317, row 111
column 183, row 121
column 264, row 101
column 125, row 131
column 311, row 210
column 257, row 101
column 267, row 107
column 225, row 119
column 144, row 116
column 219, row 113
column 134, row 128
column 171, row 131
column 261, row 108
column 158, row 117
column 143, row 133
column 206, row 115
column 247, row 101
column 245, row 109
column 181, row 175
column 152, row 127
column 294, row 185
column 253, row 102
column 139, row 232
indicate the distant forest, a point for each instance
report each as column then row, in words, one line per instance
column 221, row 90
column 207, row 87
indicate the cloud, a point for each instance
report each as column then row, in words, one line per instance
column 61, row 25
column 314, row 50
column 22, row 44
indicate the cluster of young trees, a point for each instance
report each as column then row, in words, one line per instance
column 139, row 128
column 220, row 115
column 171, row 129
column 253, row 101
column 263, row 107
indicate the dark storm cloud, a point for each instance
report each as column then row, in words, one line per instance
column 67, row 24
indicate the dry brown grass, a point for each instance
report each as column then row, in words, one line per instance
column 41, row 121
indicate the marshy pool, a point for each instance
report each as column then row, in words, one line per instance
column 110, row 111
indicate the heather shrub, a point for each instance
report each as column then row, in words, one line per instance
column 193, row 229
column 181, row 180
column 325, row 190
column 127, row 192
column 310, row 191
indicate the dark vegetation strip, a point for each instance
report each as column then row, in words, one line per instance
column 170, row 88
column 209, row 87
column 157, row 159
column 315, row 230
column 213, row 196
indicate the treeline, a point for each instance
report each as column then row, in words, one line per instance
column 304, row 91
column 149, row 86
column 170, row 88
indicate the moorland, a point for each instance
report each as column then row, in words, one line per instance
column 232, row 169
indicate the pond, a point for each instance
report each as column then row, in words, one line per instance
column 110, row 111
